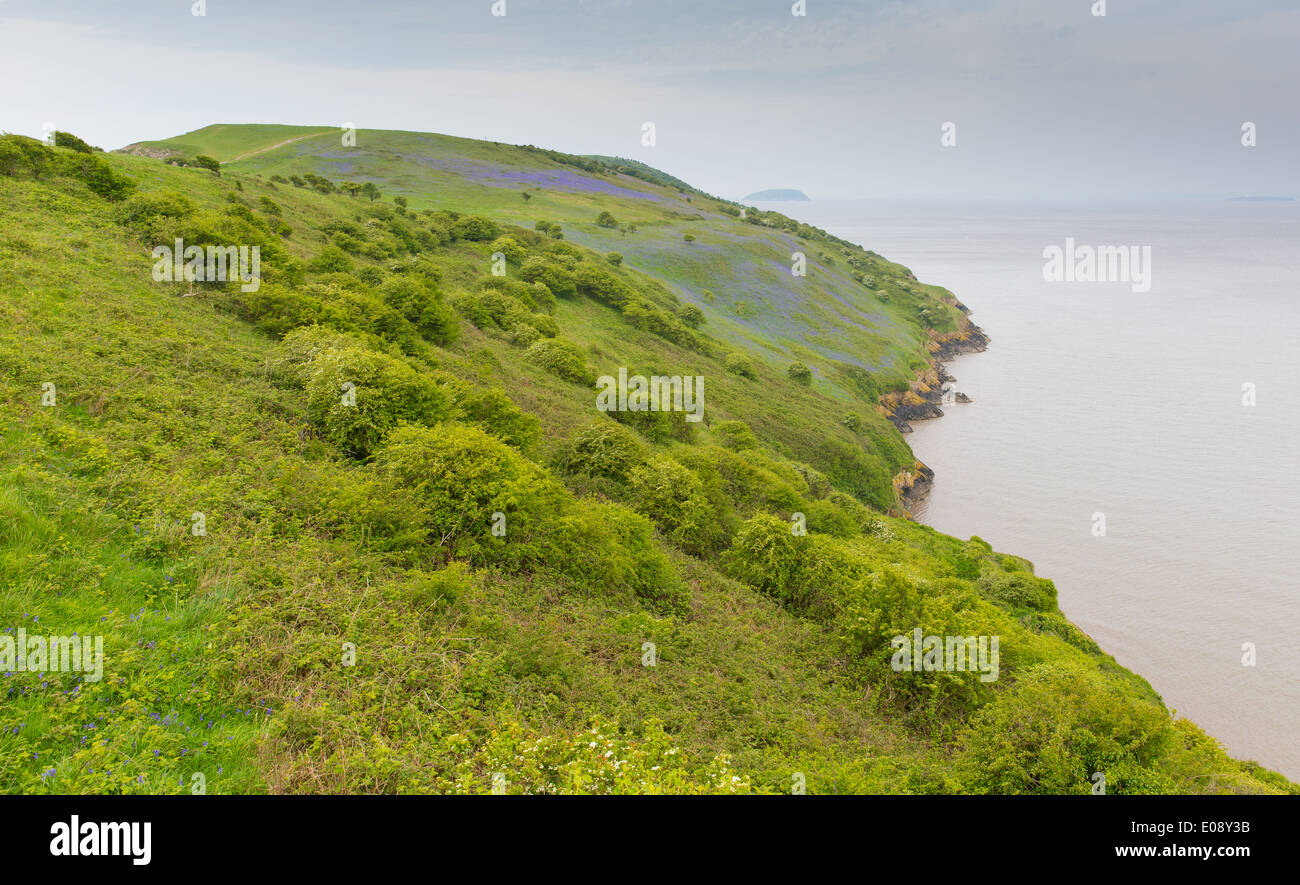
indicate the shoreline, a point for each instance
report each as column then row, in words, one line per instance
column 922, row 400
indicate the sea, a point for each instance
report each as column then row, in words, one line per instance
column 1138, row 442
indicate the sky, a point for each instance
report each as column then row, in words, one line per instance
column 849, row 100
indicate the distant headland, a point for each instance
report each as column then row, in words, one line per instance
column 778, row 195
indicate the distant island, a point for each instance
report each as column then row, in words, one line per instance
column 1261, row 199
column 778, row 195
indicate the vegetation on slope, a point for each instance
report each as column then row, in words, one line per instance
column 467, row 578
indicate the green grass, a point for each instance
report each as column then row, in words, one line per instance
column 520, row 657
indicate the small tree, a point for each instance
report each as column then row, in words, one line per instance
column 690, row 238
column 36, row 155
column 527, row 196
column 614, row 258
column 400, row 203
column 606, row 219
column 370, row 190
column 68, row 140
column 800, row 374
column 209, row 163
column 10, row 157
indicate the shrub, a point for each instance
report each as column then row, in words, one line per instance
column 277, row 309
column 606, row 548
column 596, row 282
column 475, row 228
column 800, row 374
column 673, row 497
column 1057, row 725
column 70, row 141
column 495, row 412
column 739, row 364
column 11, row 156
column 99, row 176
column 385, row 392
column 462, row 477
column 795, row 570
column 691, row 316
column 510, row 248
column 421, row 305
column 614, row 258
column 558, row 279
column 330, row 259
column 561, row 358
column 1018, row 590
column 736, row 435
column 603, row 449
column 606, row 219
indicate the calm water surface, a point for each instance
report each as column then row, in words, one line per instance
column 1095, row 399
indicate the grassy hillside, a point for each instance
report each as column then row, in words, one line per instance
column 467, row 577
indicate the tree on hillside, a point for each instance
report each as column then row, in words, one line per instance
column 692, row 316
column 68, row 140
column 800, row 374
column 10, row 157
column 606, row 219
column 351, row 188
column 527, row 196
column 370, row 190
column 36, row 156
column 400, row 203
column 690, row 238
column 209, row 163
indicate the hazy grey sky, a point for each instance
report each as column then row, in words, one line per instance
column 846, row 101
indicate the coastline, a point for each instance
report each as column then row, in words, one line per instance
column 923, row 399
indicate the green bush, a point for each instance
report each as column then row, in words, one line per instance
column 800, row 374
column 603, row 449
column 796, row 570
column 735, row 435
column 277, row 309
column 1018, row 590
column 510, row 248
column 1055, row 727
column 385, row 393
column 475, row 228
column 561, row 358
column 330, row 259
column 494, row 411
column 673, row 497
column 421, row 305
column 70, row 141
column 463, row 477
column 557, row 278
column 739, row 364
column 607, row 549
column 99, row 176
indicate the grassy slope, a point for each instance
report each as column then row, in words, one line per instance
column 223, row 650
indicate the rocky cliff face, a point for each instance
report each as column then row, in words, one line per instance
column 922, row 401
column 932, row 389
